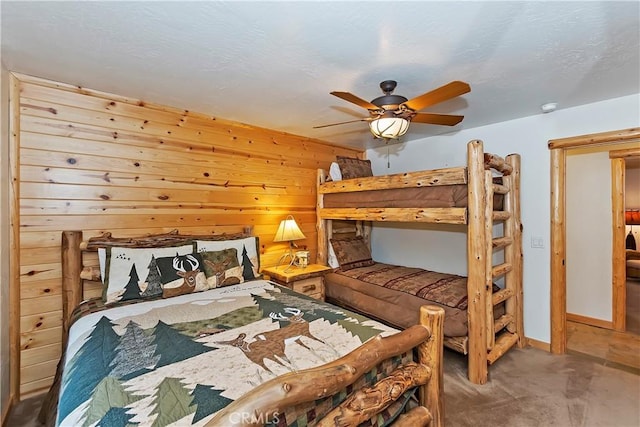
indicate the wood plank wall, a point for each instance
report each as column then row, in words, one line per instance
column 98, row 162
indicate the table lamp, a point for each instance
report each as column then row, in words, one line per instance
column 288, row 231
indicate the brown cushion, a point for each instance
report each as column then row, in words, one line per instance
column 351, row 252
column 351, row 167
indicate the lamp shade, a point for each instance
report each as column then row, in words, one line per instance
column 389, row 127
column 288, row 231
column 632, row 217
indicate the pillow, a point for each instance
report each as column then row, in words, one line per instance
column 331, row 258
column 181, row 274
column 102, row 259
column 132, row 273
column 351, row 252
column 351, row 167
column 247, row 253
column 334, row 172
column 102, row 252
column 222, row 268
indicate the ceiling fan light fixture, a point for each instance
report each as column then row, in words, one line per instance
column 389, row 127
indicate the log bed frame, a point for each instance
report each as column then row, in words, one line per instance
column 488, row 338
column 80, row 271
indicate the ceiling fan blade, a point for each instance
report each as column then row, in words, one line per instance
column 443, row 93
column 355, row 100
column 366, row 119
column 437, row 119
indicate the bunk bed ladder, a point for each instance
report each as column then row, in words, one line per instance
column 507, row 330
column 490, row 338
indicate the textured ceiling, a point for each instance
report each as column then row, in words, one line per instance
column 273, row 64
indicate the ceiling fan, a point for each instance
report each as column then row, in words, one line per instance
column 389, row 115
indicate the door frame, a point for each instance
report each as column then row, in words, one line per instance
column 558, row 295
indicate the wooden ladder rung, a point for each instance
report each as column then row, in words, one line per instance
column 504, row 342
column 501, row 242
column 501, row 269
column 500, row 189
column 502, row 321
column 501, row 215
column 502, row 295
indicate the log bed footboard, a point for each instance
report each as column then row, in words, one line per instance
column 273, row 397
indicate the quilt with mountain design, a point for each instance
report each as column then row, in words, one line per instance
column 177, row 361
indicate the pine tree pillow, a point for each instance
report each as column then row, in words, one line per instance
column 247, row 253
column 132, row 273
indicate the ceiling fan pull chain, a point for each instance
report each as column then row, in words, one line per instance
column 388, row 163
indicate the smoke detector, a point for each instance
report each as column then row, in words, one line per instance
column 549, row 107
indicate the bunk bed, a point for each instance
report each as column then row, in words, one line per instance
column 174, row 360
column 484, row 192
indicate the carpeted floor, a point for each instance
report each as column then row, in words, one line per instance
column 531, row 387
column 526, row 388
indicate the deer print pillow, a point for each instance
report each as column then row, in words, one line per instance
column 133, row 273
column 181, row 274
column 222, row 268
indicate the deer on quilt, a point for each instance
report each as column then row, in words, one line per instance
column 271, row 344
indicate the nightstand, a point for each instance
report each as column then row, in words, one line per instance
column 308, row 281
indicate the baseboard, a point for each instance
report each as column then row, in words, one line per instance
column 540, row 345
column 34, row 393
column 606, row 324
column 6, row 410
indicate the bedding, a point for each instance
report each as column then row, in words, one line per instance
column 177, row 361
column 439, row 196
column 393, row 293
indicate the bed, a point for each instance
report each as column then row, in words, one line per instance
column 481, row 320
column 222, row 347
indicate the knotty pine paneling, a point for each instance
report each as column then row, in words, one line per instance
column 99, row 162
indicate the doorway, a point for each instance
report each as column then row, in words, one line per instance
column 632, row 243
column 558, row 150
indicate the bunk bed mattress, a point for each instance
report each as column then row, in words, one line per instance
column 171, row 362
column 393, row 294
column 440, row 196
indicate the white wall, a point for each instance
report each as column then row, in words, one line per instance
column 418, row 246
column 4, row 239
column 632, row 187
column 589, row 235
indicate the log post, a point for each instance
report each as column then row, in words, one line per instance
column 476, row 263
column 618, row 232
column 71, row 282
column 558, row 253
column 321, row 224
column 430, row 353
